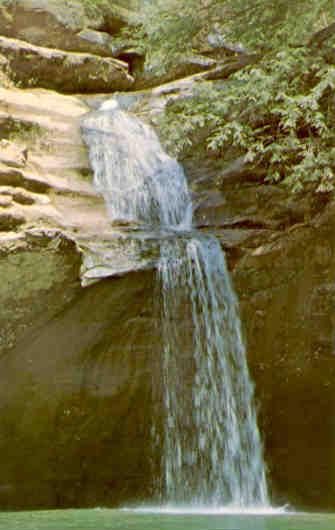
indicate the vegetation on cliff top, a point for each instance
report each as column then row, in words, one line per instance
column 278, row 112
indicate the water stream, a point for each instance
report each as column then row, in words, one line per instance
column 212, row 454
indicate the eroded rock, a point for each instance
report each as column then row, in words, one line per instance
column 32, row 65
column 70, row 25
column 12, row 155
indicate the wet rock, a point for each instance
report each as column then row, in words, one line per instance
column 122, row 253
column 287, row 295
column 68, row 352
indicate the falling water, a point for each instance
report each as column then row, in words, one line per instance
column 138, row 180
column 212, row 451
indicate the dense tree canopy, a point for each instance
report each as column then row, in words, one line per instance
column 278, row 112
column 171, row 27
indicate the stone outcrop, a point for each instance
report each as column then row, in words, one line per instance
column 81, row 27
column 286, row 291
column 42, row 156
column 60, row 356
column 70, row 25
column 71, row 396
column 32, row 66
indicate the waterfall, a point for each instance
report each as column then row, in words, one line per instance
column 212, row 451
column 139, row 181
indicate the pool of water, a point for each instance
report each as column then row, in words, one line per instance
column 103, row 519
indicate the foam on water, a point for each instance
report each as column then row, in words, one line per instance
column 205, row 510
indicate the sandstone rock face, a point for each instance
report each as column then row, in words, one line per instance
column 286, row 290
column 68, row 72
column 63, row 24
column 43, row 160
column 281, row 252
column 66, row 352
column 76, row 387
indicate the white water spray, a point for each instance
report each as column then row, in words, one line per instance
column 139, row 181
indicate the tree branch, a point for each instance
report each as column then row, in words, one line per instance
column 318, row 39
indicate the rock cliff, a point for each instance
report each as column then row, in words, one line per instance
column 79, row 365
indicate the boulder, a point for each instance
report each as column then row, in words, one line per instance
column 32, row 65
column 70, row 25
column 186, row 66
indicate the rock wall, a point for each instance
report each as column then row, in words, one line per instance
column 75, row 390
column 281, row 251
column 287, row 294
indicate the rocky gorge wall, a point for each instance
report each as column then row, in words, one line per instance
column 283, row 270
column 79, row 365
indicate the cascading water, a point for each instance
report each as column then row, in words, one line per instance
column 212, row 449
column 139, row 181
column 213, row 452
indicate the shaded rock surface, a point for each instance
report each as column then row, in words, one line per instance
column 67, row 372
column 286, row 291
column 63, row 24
column 32, row 65
column 281, row 252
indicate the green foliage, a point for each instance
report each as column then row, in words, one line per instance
column 279, row 114
column 170, row 28
column 161, row 30
column 270, row 23
column 94, row 5
column 167, row 29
